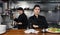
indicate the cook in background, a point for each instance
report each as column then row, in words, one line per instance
column 21, row 19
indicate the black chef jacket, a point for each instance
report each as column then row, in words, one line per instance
column 40, row 21
column 23, row 19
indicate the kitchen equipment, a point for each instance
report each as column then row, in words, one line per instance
column 2, row 29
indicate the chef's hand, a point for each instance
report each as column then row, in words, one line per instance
column 35, row 26
column 14, row 16
column 20, row 23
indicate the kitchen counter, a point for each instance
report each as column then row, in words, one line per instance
column 21, row 32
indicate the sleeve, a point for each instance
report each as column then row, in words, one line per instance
column 30, row 23
column 45, row 24
column 16, row 19
column 25, row 20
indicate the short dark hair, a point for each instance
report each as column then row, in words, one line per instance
column 36, row 6
column 20, row 8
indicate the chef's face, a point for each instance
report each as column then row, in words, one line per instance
column 36, row 10
column 20, row 11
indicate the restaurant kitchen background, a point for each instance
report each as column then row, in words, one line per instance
column 49, row 8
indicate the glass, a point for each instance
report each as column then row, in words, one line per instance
column 43, row 31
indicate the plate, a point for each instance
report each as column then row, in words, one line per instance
column 53, row 30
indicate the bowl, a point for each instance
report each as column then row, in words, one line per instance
column 2, row 29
